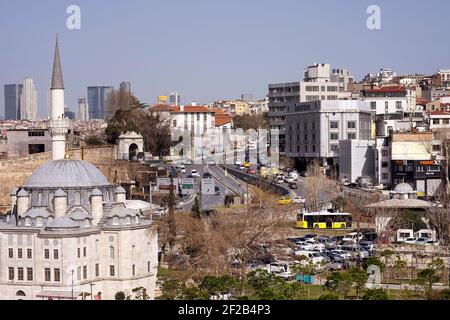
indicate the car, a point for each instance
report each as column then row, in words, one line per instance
column 421, row 241
column 411, row 240
column 284, row 201
column 432, row 243
column 344, row 254
column 367, row 245
column 217, row 190
column 306, row 247
column 353, row 237
column 242, row 168
column 293, row 186
column 289, row 179
column 335, row 266
column 195, row 174
column 304, row 174
column 280, row 179
column 310, row 236
column 251, row 171
column 312, row 256
column 207, row 175
column 182, row 169
column 298, row 200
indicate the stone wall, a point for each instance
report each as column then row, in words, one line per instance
column 15, row 171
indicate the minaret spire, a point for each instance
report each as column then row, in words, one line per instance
column 57, row 77
column 58, row 125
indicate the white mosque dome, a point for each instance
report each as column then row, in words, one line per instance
column 67, row 174
column 404, row 188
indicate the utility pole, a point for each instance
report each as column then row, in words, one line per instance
column 91, row 284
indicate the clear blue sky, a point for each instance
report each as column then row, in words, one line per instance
column 208, row 49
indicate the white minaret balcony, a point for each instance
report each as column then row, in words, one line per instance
column 58, row 127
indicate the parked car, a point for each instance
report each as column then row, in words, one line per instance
column 207, row 175
column 217, row 190
column 284, row 201
column 411, row 240
column 195, row 174
column 421, row 241
column 310, row 236
column 293, row 186
column 352, row 237
column 183, row 169
column 298, row 200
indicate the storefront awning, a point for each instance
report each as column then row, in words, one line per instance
column 59, row 295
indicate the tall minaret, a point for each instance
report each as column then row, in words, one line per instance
column 58, row 126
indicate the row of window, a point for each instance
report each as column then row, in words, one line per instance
column 20, row 253
column 321, row 88
column 333, row 137
column 20, row 274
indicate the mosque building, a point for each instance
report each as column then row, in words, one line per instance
column 69, row 234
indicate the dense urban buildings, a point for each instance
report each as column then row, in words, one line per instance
column 97, row 97
column 12, row 101
column 28, row 101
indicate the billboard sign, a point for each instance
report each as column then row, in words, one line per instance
column 187, row 186
column 208, row 186
column 163, row 185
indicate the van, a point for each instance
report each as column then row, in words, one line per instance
column 353, row 237
column 403, row 234
column 426, row 233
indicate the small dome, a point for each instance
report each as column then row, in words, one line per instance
column 122, row 212
column 22, row 193
column 120, row 190
column 60, row 193
column 37, row 212
column 63, row 223
column 79, row 215
column 96, row 192
column 66, row 174
column 404, row 188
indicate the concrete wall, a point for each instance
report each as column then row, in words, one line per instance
column 14, row 172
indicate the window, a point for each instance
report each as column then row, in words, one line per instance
column 97, row 270
column 19, row 254
column 386, row 105
column 436, row 121
column 335, row 148
column 133, row 269
column 11, row 273
column 174, row 123
column 420, row 169
column 385, row 153
column 351, row 136
column 47, row 274
column 149, row 265
column 79, row 273
column 436, row 148
column 79, row 252
column 11, row 253
column 112, row 271
column 445, row 121
column 47, row 254
column 434, row 168
column 334, row 136
column 351, row 125
column 55, row 254
column 385, row 164
column 385, row 176
column 57, row 275
column 20, row 274
column 84, row 272
column 373, row 106
column 398, row 105
column 36, row 133
column 334, row 124
column 111, row 252
column 30, row 274
column 84, row 251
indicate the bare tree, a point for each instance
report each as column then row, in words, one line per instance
column 117, row 100
column 313, row 185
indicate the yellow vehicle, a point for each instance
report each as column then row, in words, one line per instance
column 247, row 165
column 274, row 171
column 263, row 172
column 285, row 201
column 324, row 220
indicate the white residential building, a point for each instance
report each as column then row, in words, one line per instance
column 387, row 100
column 314, row 129
column 356, row 159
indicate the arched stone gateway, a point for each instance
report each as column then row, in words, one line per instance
column 130, row 145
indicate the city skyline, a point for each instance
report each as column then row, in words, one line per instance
column 225, row 59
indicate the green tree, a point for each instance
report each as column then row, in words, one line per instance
column 216, row 285
column 119, row 295
column 172, row 289
column 196, row 210
column 339, row 282
column 93, row 141
column 359, row 279
column 400, row 267
column 374, row 261
column 194, row 293
column 426, row 278
column 376, row 294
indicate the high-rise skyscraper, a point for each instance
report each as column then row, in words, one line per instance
column 83, row 114
column 125, row 86
column 28, row 101
column 12, row 101
column 174, row 99
column 97, row 101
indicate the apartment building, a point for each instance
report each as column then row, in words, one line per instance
column 388, row 99
column 314, row 129
column 320, row 83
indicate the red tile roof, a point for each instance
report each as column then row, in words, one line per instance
column 440, row 113
column 192, row 109
column 222, row 120
column 387, row 89
column 161, row 107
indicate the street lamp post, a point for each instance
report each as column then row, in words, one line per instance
column 91, row 285
column 72, row 282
